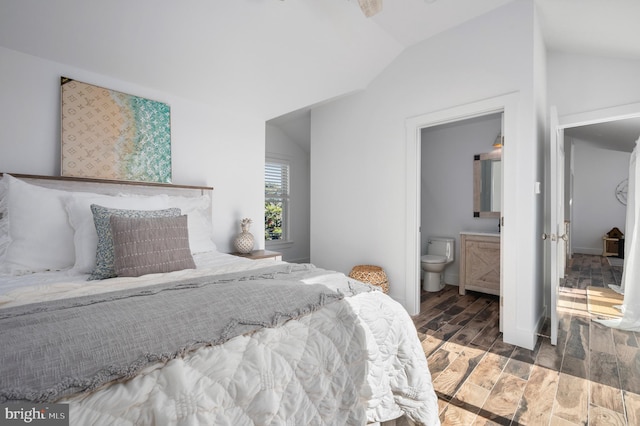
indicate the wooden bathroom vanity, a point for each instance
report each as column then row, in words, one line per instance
column 480, row 262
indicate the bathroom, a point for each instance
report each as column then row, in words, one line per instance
column 447, row 188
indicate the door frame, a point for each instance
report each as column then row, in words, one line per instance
column 599, row 116
column 583, row 119
column 508, row 105
column 604, row 115
column 556, row 215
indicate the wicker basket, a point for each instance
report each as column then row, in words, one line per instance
column 371, row 274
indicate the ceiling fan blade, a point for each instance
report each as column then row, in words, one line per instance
column 370, row 7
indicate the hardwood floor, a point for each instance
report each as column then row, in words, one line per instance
column 592, row 377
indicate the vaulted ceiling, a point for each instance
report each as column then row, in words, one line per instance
column 253, row 51
column 606, row 28
column 200, row 47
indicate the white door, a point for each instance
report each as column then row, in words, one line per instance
column 556, row 237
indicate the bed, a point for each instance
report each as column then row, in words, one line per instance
column 176, row 332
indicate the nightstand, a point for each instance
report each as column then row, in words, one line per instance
column 260, row 254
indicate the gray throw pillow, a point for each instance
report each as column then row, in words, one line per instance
column 104, row 252
column 150, row 245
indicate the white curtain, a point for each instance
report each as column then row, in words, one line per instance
column 631, row 215
column 630, row 285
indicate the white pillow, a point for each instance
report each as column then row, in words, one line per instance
column 78, row 207
column 40, row 235
column 198, row 221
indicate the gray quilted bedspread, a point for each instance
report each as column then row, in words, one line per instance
column 57, row 348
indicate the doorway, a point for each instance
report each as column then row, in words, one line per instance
column 594, row 123
column 508, row 105
column 598, row 161
column 447, row 177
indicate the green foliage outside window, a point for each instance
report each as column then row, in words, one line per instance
column 276, row 196
column 272, row 220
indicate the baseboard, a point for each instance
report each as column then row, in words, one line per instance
column 588, row 250
column 452, row 278
column 524, row 338
column 527, row 339
column 541, row 320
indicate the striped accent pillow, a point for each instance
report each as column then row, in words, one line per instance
column 150, row 245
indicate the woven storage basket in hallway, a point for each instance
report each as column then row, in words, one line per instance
column 371, row 274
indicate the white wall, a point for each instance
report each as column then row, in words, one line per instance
column 279, row 145
column 579, row 83
column 596, row 210
column 358, row 162
column 214, row 146
column 447, row 181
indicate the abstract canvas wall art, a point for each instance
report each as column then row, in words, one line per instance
column 112, row 135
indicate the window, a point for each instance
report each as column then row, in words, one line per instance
column 276, row 200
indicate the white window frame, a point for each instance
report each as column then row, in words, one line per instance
column 286, row 203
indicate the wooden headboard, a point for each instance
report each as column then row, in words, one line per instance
column 111, row 187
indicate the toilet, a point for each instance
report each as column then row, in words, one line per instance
column 439, row 255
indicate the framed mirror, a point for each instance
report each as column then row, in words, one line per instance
column 487, row 184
